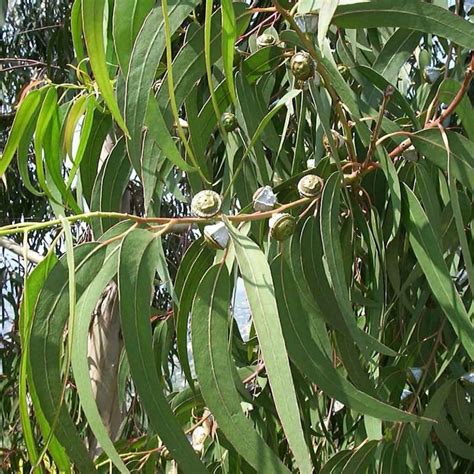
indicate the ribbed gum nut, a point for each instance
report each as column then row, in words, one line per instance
column 216, row 236
column 206, row 204
column 264, row 199
column 265, row 40
column 229, row 122
column 310, row 186
column 282, row 226
column 302, row 66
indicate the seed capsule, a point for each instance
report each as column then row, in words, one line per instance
column 338, row 139
column 229, row 122
column 307, row 22
column 265, row 40
column 310, row 186
column 302, row 66
column 431, row 74
column 264, row 199
column 282, row 226
column 216, row 236
column 206, row 204
column 414, row 374
column 468, row 379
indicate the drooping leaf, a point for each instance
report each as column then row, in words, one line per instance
column 412, row 14
column 261, row 295
column 93, row 24
column 430, row 257
column 213, row 367
column 137, row 265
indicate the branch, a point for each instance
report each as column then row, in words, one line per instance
column 449, row 110
column 17, row 249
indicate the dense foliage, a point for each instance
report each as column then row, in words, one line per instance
column 323, row 161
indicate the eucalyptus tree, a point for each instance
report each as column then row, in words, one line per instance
column 322, row 152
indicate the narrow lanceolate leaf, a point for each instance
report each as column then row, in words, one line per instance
column 210, row 329
column 430, row 257
column 430, row 143
column 330, row 234
column 23, row 118
column 229, row 33
column 146, row 56
column 411, row 14
column 46, row 343
column 93, row 27
column 196, row 261
column 158, row 130
column 80, row 362
column 31, row 289
column 137, row 265
column 395, row 53
column 261, row 295
column 129, row 16
column 309, row 356
column 328, row 7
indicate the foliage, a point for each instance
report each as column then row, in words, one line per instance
column 361, row 343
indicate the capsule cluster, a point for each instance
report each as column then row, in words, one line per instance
column 207, row 204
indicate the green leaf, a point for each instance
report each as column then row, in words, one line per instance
column 261, row 296
column 326, row 12
column 93, row 24
column 427, row 249
column 430, row 144
column 330, row 232
column 229, row 35
column 411, row 14
column 158, row 130
column 210, row 323
column 137, row 265
column 395, row 53
column 146, row 56
column 447, row 92
column 309, row 355
column 31, row 290
column 23, row 117
column 80, row 363
column 46, row 341
column 361, row 459
column 197, row 259
column 129, row 16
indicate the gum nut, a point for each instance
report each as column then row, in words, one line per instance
column 310, row 186
column 265, row 40
column 282, row 226
column 405, row 394
column 302, row 66
column 432, row 74
column 206, row 204
column 311, row 163
column 229, row 122
column 415, row 374
column 217, row 235
column 264, row 199
column 307, row 22
column 410, row 154
column 468, row 379
column 199, row 436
